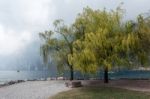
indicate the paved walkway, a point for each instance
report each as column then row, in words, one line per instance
column 32, row 90
column 136, row 85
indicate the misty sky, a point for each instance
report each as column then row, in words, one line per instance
column 22, row 20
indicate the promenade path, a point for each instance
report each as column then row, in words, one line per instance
column 32, row 90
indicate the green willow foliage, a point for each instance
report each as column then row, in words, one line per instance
column 57, row 44
column 143, row 32
column 99, row 39
column 107, row 42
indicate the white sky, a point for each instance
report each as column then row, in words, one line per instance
column 22, row 20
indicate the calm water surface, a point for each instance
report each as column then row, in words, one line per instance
column 30, row 75
column 23, row 75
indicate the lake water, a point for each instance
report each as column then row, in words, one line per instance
column 131, row 74
column 30, row 75
column 24, row 75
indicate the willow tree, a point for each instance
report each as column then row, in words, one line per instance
column 98, row 39
column 143, row 32
column 107, row 41
column 136, row 41
column 57, row 45
column 96, row 46
column 98, row 50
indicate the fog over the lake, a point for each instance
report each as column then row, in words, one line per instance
column 22, row 20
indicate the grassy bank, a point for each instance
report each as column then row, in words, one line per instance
column 100, row 93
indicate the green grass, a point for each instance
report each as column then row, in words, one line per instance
column 101, row 93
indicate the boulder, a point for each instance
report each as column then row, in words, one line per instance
column 19, row 81
column 12, row 82
column 73, row 84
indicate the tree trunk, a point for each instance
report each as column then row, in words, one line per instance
column 106, row 74
column 71, row 73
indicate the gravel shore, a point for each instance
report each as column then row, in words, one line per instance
column 32, row 90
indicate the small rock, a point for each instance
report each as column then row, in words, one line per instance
column 12, row 82
column 73, row 84
column 19, row 81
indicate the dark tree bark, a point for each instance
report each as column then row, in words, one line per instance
column 71, row 73
column 106, row 75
